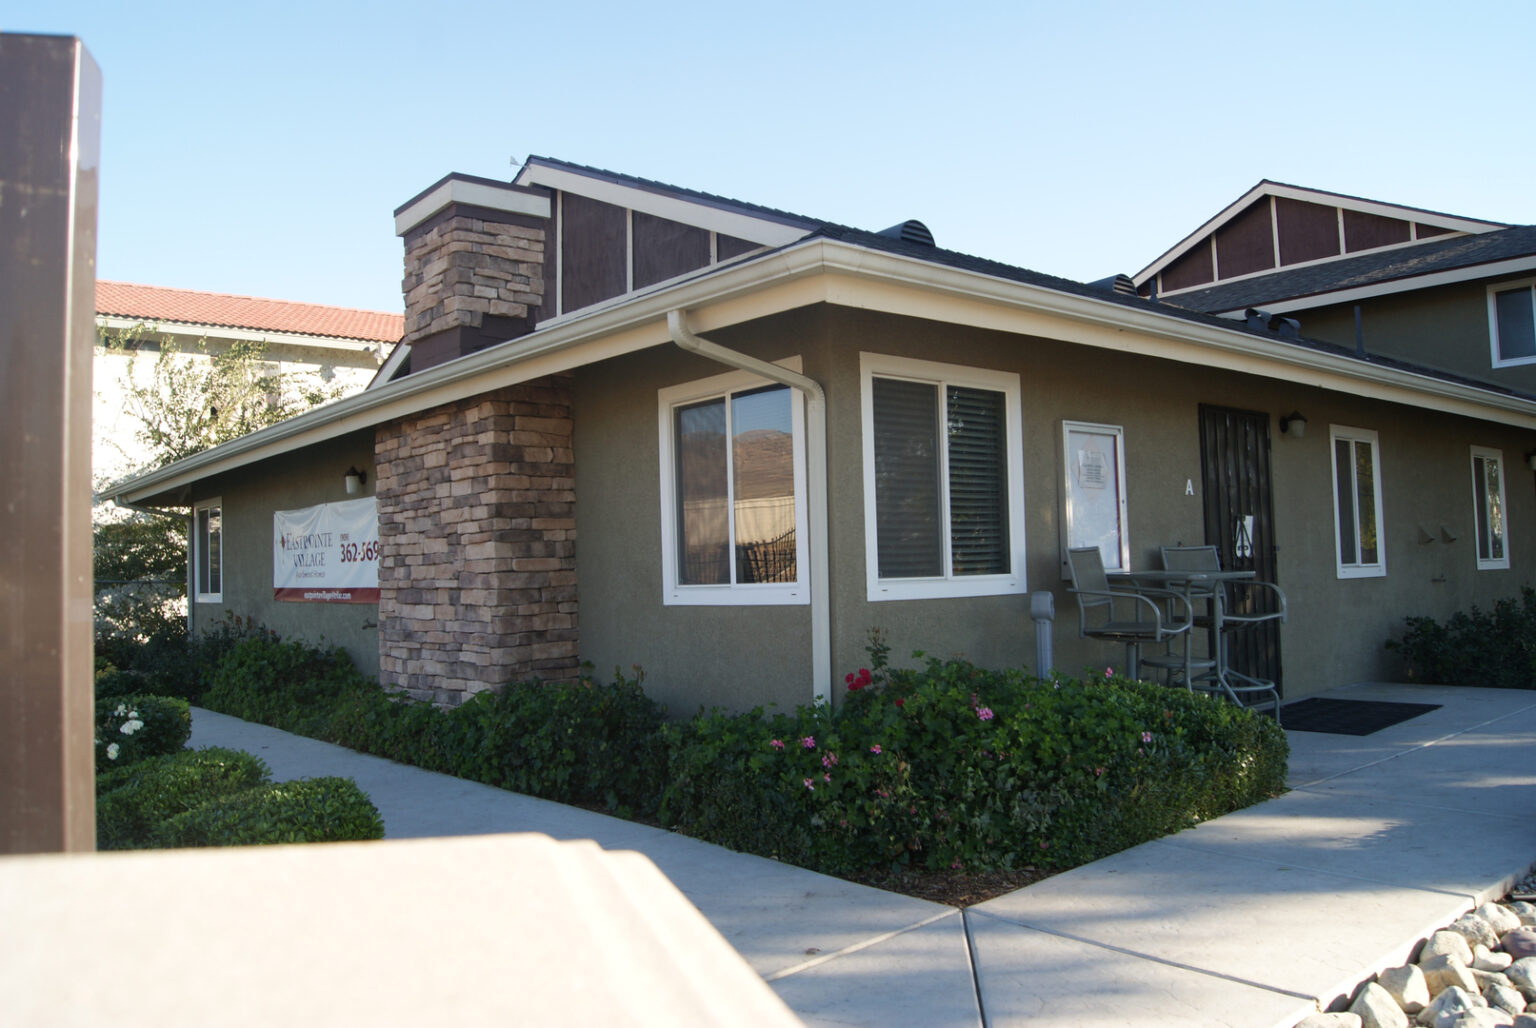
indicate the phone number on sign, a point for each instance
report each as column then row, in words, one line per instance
column 352, row 553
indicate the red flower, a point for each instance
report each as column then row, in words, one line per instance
column 899, row 701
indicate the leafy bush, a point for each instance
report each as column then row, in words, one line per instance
column 289, row 685
column 307, row 810
column 1495, row 649
column 133, row 727
column 132, row 802
column 952, row 766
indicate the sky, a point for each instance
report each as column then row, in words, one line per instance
column 261, row 149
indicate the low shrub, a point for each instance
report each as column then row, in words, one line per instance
column 132, row 727
column 953, row 766
column 132, row 802
column 307, row 810
column 289, row 685
column 1495, row 649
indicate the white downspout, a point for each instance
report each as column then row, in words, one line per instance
column 816, row 484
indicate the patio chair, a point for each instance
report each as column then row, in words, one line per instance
column 1219, row 618
column 1130, row 617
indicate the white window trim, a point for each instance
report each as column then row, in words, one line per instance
column 1529, row 285
column 674, row 594
column 198, row 596
column 1118, row 431
column 1488, row 453
column 948, row 585
column 1357, row 435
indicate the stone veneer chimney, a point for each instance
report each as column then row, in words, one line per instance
column 474, row 266
column 476, row 498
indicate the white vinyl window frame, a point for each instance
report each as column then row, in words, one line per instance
column 947, row 585
column 207, row 565
column 676, row 593
column 1080, row 477
column 1488, row 509
column 1497, row 345
column 1351, row 558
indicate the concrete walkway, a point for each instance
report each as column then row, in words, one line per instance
column 1253, row 919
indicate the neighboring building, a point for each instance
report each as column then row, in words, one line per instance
column 564, row 471
column 331, row 344
column 1449, row 293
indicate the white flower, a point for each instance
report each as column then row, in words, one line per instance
column 121, row 710
column 129, row 727
column 112, row 752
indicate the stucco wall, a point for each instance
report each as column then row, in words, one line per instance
column 249, row 499
column 741, row 656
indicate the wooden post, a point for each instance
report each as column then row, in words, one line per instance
column 50, row 133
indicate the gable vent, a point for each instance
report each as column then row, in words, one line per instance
column 1121, row 284
column 912, row 231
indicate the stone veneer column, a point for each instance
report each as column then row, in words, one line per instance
column 477, row 526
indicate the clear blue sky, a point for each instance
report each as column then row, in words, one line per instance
column 262, row 148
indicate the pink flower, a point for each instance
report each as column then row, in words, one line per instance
column 882, row 794
column 777, row 744
column 875, row 748
column 985, row 713
column 826, row 778
column 809, row 786
column 954, row 865
column 1109, row 672
column 1098, row 771
column 809, row 742
column 828, row 759
column 1146, row 736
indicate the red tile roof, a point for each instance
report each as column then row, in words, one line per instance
column 155, row 303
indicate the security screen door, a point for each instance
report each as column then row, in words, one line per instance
column 1240, row 523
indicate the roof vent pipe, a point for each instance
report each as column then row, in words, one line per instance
column 1121, row 284
column 1263, row 321
column 911, row 231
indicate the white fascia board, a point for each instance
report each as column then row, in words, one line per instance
column 829, row 271
column 254, row 335
column 1471, row 273
column 477, row 194
column 1267, row 188
column 755, row 229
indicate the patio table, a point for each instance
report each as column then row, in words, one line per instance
column 1209, row 583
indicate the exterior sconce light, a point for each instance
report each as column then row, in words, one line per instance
column 355, row 480
column 1293, row 425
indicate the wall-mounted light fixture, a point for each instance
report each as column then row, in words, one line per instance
column 355, row 480
column 1293, row 425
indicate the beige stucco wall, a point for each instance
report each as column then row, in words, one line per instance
column 249, row 500
column 740, row 656
column 1444, row 328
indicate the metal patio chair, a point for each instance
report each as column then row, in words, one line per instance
column 1132, row 618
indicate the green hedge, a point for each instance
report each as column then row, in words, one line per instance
column 1495, row 649
column 953, row 766
column 307, row 810
column 132, row 727
column 132, row 802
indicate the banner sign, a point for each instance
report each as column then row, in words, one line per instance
column 327, row 554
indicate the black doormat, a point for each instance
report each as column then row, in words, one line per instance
column 1348, row 717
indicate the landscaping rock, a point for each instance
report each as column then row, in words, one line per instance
column 1487, row 978
column 1526, row 912
column 1474, row 929
column 1500, row 918
column 1505, row 997
column 1446, row 943
column 1484, row 1017
column 1406, row 986
column 1483, row 960
column 1442, row 973
column 1519, row 942
column 1448, row 1007
column 1337, row 1019
column 1377, row 1008
column 1524, row 1021
column 1522, row 975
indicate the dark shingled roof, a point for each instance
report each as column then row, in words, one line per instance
column 1364, row 270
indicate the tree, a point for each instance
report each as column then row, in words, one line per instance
column 184, row 403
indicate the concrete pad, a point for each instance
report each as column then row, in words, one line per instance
column 1317, row 755
column 1382, row 839
column 1480, row 771
column 772, row 913
column 491, row 930
column 1269, row 924
column 917, row 977
column 1035, row 979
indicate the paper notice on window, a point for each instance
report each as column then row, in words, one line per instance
column 1092, row 469
column 1093, row 494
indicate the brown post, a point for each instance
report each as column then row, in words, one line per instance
column 50, row 133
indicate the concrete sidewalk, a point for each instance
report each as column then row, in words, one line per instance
column 1254, row 919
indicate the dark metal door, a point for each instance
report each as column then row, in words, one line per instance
column 1240, row 523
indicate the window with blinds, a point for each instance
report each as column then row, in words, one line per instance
column 941, row 449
